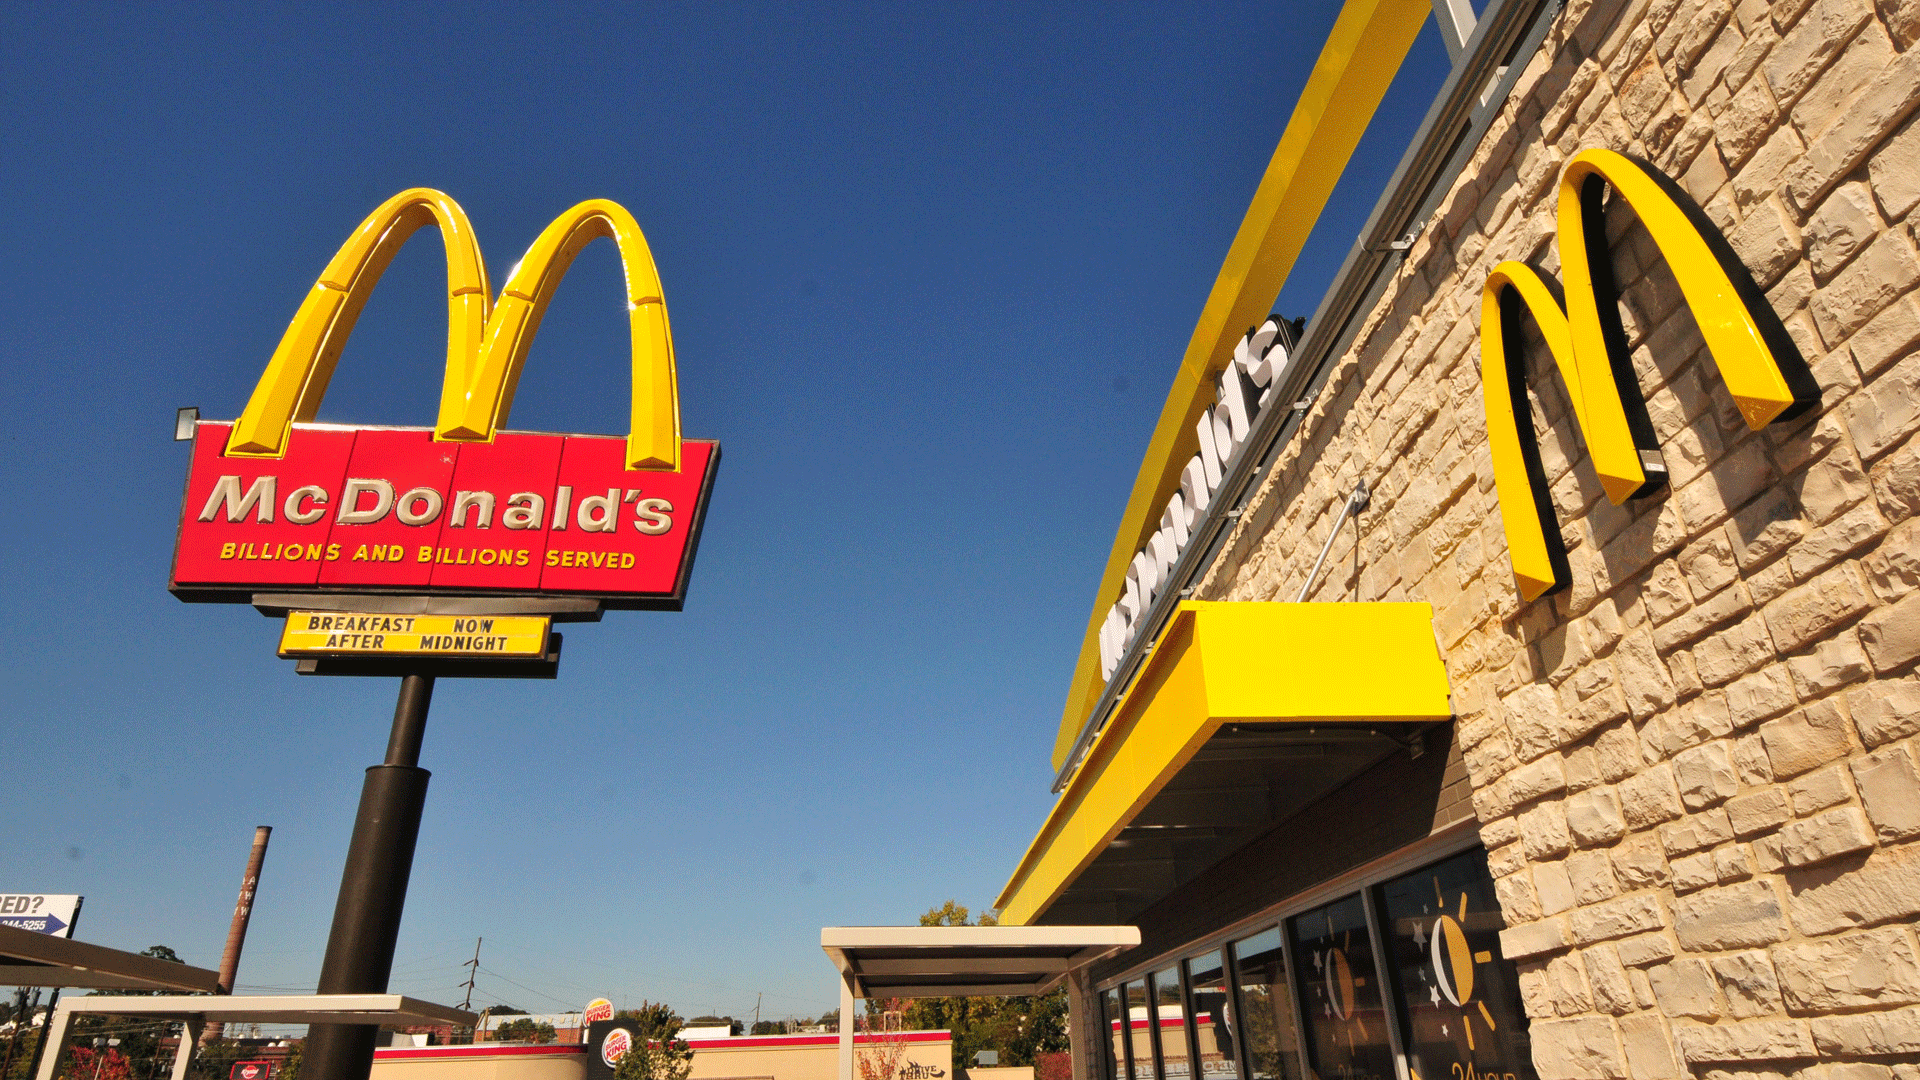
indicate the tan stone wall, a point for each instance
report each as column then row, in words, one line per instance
column 1695, row 770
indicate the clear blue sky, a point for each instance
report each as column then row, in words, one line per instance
column 930, row 273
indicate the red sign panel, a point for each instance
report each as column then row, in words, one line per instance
column 389, row 510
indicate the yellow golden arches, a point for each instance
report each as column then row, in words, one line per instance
column 1733, row 329
column 1755, row 358
column 486, row 343
column 477, row 405
column 1526, row 504
column 296, row 378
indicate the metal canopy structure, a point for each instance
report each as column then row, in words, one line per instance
column 1245, row 713
column 30, row 959
column 195, row 1011
column 958, row 961
column 279, row 1009
column 966, row 961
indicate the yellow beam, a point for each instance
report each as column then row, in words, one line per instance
column 1220, row 663
column 1369, row 41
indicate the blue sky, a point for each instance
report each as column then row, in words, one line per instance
column 930, row 270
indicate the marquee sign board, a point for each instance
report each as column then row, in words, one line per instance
column 389, row 510
column 486, row 637
column 278, row 504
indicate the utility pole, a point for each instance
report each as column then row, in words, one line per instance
column 756, row 1009
column 237, row 929
column 474, row 963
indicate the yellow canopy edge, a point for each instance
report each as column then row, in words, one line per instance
column 1240, row 663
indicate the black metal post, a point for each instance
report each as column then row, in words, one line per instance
column 373, row 889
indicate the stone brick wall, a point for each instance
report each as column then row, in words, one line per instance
column 1695, row 770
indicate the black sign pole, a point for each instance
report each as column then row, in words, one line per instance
column 373, row 889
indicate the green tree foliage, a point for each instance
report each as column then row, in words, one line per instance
column 524, row 1030
column 214, row 1061
column 658, row 1053
column 1020, row 1028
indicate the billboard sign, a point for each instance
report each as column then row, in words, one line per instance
column 40, row 913
column 598, row 1009
column 276, row 503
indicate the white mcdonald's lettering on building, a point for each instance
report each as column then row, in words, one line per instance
column 1243, row 391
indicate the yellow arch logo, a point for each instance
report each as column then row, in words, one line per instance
column 1756, row 359
column 486, row 340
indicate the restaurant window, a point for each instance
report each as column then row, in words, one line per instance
column 1114, row 1013
column 1266, row 1001
column 1346, row 1023
column 1139, row 1026
column 1216, row 1044
column 1170, row 1020
column 1460, row 997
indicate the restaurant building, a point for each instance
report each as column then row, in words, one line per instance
column 1508, row 670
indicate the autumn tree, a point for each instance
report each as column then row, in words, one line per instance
column 86, row 1063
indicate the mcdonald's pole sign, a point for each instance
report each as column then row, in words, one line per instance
column 1757, row 360
column 445, row 550
column 277, row 503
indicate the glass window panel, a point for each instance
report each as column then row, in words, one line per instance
column 1171, row 1018
column 1141, row 1039
column 1213, row 1018
column 1461, row 998
column 1340, row 994
column 1266, row 1000
column 1115, row 1015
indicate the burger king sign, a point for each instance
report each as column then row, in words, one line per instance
column 615, row 1046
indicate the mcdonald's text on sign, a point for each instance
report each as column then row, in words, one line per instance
column 389, row 510
column 276, row 503
column 332, row 633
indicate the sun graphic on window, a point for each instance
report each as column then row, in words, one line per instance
column 1452, row 963
column 1340, row 984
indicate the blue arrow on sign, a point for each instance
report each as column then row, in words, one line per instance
column 39, row 924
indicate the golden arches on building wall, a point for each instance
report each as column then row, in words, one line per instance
column 1756, row 359
column 486, row 342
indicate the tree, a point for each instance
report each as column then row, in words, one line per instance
column 769, row 1027
column 658, row 1052
column 524, row 1030
column 214, row 1060
column 1020, row 1028
column 86, row 1063
column 885, row 1049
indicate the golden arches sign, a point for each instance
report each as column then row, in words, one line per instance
column 486, row 341
column 1757, row 361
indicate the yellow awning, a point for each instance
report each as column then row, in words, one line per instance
column 1249, row 665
